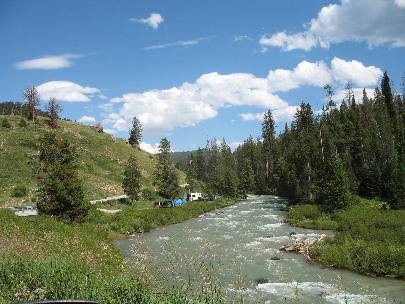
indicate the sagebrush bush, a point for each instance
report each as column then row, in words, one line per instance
column 22, row 123
column 20, row 191
column 5, row 123
column 149, row 194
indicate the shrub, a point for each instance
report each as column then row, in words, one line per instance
column 20, row 191
column 310, row 216
column 149, row 194
column 302, row 212
column 22, row 123
column 5, row 123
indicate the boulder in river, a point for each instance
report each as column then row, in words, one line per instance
column 262, row 281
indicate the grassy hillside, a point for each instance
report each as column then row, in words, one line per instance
column 102, row 159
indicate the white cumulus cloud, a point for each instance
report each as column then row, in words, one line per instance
column 305, row 73
column 190, row 103
column 154, row 20
column 355, row 72
column 68, row 91
column 150, row 148
column 287, row 42
column 357, row 92
column 279, row 115
column 376, row 22
column 47, row 62
column 187, row 105
column 87, row 119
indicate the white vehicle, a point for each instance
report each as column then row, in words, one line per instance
column 26, row 211
column 194, row 196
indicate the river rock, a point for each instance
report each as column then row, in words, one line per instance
column 262, row 281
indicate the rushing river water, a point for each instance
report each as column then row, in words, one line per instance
column 239, row 246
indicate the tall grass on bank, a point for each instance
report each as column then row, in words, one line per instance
column 42, row 259
column 311, row 217
column 368, row 238
column 132, row 219
column 367, row 241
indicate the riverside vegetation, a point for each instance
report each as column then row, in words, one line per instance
column 44, row 258
column 368, row 238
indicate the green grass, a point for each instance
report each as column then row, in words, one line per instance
column 141, row 217
column 368, row 238
column 43, row 259
column 101, row 157
column 310, row 216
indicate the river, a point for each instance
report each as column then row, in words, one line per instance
column 237, row 247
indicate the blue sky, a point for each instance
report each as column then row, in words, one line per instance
column 192, row 70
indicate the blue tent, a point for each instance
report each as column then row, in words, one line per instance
column 178, row 202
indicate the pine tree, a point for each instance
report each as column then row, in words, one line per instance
column 387, row 93
column 246, row 179
column 229, row 177
column 135, row 134
column 60, row 191
column 304, row 144
column 32, row 100
column 132, row 179
column 191, row 172
column 200, row 165
column 214, row 169
column 53, row 109
column 333, row 189
column 165, row 175
column 268, row 136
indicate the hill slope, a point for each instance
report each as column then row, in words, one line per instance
column 101, row 157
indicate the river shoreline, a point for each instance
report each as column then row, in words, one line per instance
column 243, row 241
column 132, row 220
column 368, row 241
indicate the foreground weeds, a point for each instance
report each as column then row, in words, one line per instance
column 42, row 259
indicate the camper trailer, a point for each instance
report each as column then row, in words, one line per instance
column 194, row 196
